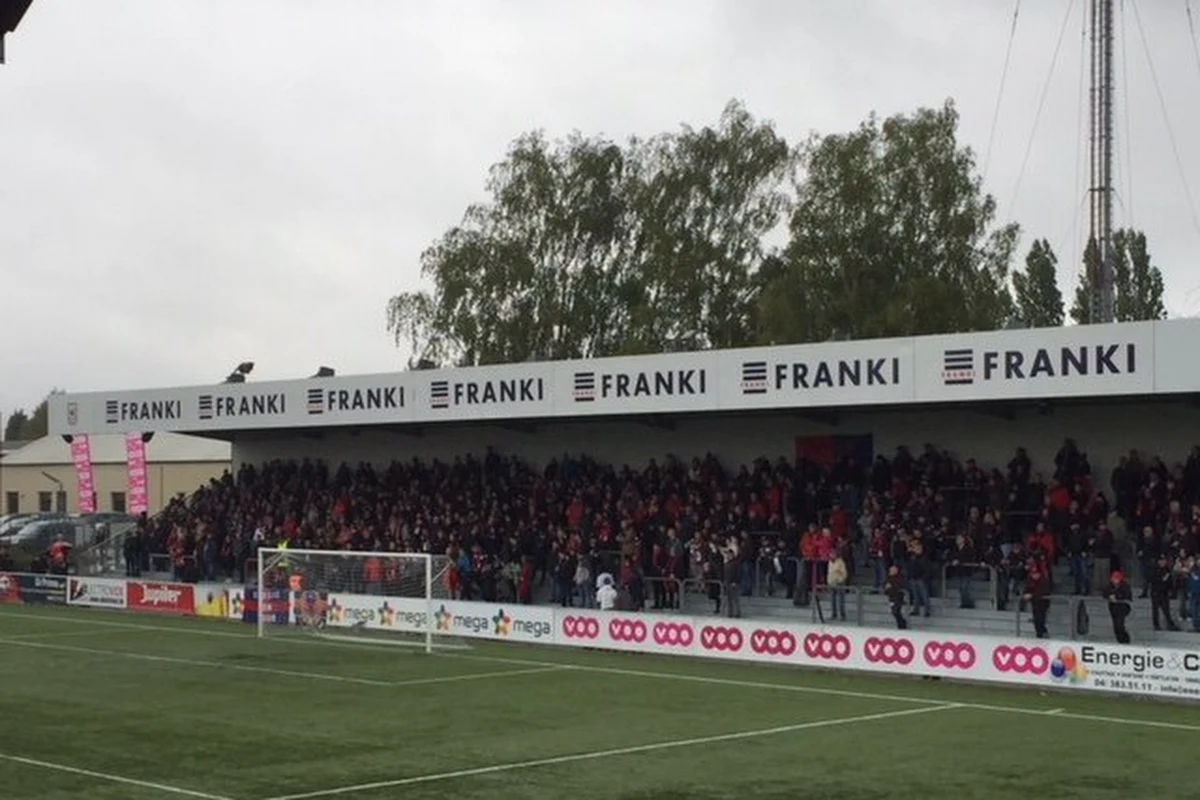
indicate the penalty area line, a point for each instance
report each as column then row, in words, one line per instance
column 111, row 778
column 613, row 753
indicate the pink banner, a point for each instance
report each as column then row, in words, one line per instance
column 81, row 455
column 139, row 487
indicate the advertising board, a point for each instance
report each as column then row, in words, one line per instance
column 1125, row 359
column 43, row 589
column 377, row 613
column 211, row 600
column 10, row 588
column 1075, row 665
column 1078, row 666
column 160, row 598
column 516, row 623
column 101, row 592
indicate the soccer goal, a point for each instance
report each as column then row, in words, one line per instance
column 348, row 595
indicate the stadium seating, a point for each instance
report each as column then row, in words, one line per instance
column 494, row 515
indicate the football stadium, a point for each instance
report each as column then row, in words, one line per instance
column 400, row 650
column 720, row 467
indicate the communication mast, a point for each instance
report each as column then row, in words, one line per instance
column 1100, row 194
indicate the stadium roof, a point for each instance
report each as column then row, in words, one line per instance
column 11, row 12
column 165, row 447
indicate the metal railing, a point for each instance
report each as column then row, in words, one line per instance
column 689, row 591
column 1077, row 618
column 835, row 594
column 975, row 568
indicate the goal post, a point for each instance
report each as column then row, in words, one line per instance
column 349, row 594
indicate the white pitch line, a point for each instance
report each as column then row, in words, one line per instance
column 620, row 751
column 671, row 676
column 106, row 776
column 285, row 672
column 103, row 623
column 20, row 637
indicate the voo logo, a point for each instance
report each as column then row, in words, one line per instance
column 827, row 646
column 720, row 638
column 773, row 643
column 673, row 634
column 1021, row 660
column 889, row 651
column 625, row 630
column 580, row 628
column 949, row 655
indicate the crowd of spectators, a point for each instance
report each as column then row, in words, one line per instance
column 508, row 528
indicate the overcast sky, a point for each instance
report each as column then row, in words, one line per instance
column 185, row 184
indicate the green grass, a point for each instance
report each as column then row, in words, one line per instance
column 195, row 706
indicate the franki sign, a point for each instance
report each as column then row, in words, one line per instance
column 965, row 366
column 1082, row 361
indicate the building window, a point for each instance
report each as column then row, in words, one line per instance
column 60, row 502
column 118, row 502
column 45, row 502
column 12, row 503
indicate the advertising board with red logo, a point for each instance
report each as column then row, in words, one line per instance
column 101, row 592
column 10, row 588
column 1031, row 662
column 160, row 598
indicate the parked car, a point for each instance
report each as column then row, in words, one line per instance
column 11, row 523
column 38, row 535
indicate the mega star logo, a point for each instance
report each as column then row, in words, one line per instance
column 503, row 623
column 387, row 615
column 443, row 618
column 337, row 612
column 235, row 605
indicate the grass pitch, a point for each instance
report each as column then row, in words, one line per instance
column 110, row 706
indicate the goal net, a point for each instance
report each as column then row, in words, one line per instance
column 350, row 595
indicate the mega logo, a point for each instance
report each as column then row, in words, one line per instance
column 759, row 376
column 960, row 367
column 674, row 634
column 773, row 643
column 392, row 617
column 447, row 621
column 627, row 630
column 720, row 638
column 507, row 625
column 443, row 394
column 116, row 411
column 949, row 655
column 211, row 406
column 827, row 646
column 886, row 650
column 1020, row 659
column 581, row 627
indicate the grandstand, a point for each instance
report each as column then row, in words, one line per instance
column 1079, row 434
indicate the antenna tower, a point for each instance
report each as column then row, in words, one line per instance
column 1101, row 147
